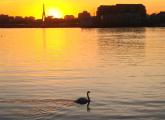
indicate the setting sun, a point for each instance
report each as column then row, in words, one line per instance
column 56, row 13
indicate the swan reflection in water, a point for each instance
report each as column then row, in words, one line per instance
column 88, row 107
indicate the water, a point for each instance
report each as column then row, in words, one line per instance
column 43, row 70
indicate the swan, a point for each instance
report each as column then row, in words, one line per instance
column 83, row 100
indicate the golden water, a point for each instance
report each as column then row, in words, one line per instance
column 43, row 70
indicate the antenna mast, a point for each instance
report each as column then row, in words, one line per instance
column 43, row 14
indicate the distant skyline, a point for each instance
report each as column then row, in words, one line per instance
column 59, row 8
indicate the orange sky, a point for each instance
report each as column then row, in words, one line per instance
column 34, row 7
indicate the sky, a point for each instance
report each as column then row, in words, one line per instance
column 60, row 8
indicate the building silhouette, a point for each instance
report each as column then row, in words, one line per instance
column 161, row 18
column 157, row 19
column 69, row 17
column 121, row 15
column 85, row 19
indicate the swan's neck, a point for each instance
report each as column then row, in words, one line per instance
column 88, row 97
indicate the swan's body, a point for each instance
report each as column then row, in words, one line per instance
column 83, row 100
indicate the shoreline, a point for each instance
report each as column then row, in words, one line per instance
column 24, row 26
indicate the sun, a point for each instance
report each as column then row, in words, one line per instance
column 56, row 13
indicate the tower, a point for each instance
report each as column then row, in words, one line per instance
column 43, row 14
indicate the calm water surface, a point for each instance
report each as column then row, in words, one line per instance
column 43, row 70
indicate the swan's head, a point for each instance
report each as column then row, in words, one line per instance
column 88, row 92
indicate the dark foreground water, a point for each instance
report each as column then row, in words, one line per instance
column 43, row 70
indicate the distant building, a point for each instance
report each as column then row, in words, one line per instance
column 121, row 15
column 19, row 20
column 157, row 19
column 161, row 17
column 85, row 19
column 49, row 20
column 4, row 19
column 162, row 13
column 29, row 20
column 70, row 21
column 69, row 17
